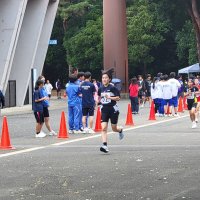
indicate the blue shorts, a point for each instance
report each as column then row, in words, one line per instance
column 167, row 101
column 174, row 102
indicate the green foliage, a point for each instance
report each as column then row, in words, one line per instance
column 85, row 49
column 160, row 37
column 145, row 31
column 186, row 44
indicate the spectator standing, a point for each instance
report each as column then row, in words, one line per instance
column 2, row 100
column 73, row 92
column 95, row 94
column 58, row 88
column 141, row 96
column 88, row 103
column 133, row 93
column 48, row 88
column 148, row 89
column 46, row 105
column 38, row 109
column 175, row 86
column 155, row 94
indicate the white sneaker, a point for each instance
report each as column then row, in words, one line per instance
column 161, row 115
column 86, row 130
column 71, row 132
column 52, row 133
column 77, row 132
column 196, row 120
column 194, row 124
column 170, row 115
column 104, row 149
column 40, row 135
column 157, row 114
column 165, row 115
column 176, row 115
column 90, row 131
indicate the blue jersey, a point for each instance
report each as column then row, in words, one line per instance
column 37, row 106
column 87, row 90
column 43, row 93
column 73, row 91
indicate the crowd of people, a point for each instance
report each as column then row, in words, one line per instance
column 165, row 92
column 84, row 95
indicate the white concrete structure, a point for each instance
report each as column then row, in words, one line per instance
column 25, row 30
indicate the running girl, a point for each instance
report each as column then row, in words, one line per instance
column 190, row 93
column 109, row 95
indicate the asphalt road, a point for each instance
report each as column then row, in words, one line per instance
column 156, row 160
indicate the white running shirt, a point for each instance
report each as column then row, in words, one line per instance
column 167, row 90
column 154, row 91
column 175, row 85
column 48, row 88
column 160, row 89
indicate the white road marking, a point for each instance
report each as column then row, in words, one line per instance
column 85, row 138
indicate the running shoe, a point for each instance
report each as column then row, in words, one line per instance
column 52, row 133
column 194, row 124
column 90, row 131
column 121, row 134
column 176, row 115
column 40, row 135
column 104, row 149
column 157, row 114
column 71, row 131
column 77, row 131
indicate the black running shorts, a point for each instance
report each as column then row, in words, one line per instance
column 88, row 111
column 46, row 111
column 108, row 112
column 191, row 104
column 39, row 116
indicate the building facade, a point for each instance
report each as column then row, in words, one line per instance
column 25, row 30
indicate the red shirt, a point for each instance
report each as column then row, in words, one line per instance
column 134, row 89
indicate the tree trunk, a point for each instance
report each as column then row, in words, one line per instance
column 194, row 13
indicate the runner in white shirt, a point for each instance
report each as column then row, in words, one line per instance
column 167, row 94
column 48, row 88
column 175, row 86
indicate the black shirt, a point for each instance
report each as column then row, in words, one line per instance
column 111, row 91
column 192, row 92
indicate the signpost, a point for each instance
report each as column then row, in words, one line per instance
column 53, row 42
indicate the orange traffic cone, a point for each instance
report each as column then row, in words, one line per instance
column 5, row 137
column 184, row 103
column 98, row 127
column 63, row 127
column 152, row 115
column 129, row 117
column 180, row 105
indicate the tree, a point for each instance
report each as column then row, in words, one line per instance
column 145, row 31
column 193, row 8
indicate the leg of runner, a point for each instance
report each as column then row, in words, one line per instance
column 104, row 137
column 119, row 130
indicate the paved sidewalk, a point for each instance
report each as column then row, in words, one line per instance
column 54, row 104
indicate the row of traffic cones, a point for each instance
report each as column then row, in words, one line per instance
column 63, row 133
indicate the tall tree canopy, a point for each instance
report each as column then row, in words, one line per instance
column 162, row 36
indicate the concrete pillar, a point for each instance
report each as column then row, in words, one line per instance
column 115, row 39
column 27, row 46
column 11, row 16
column 44, row 38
